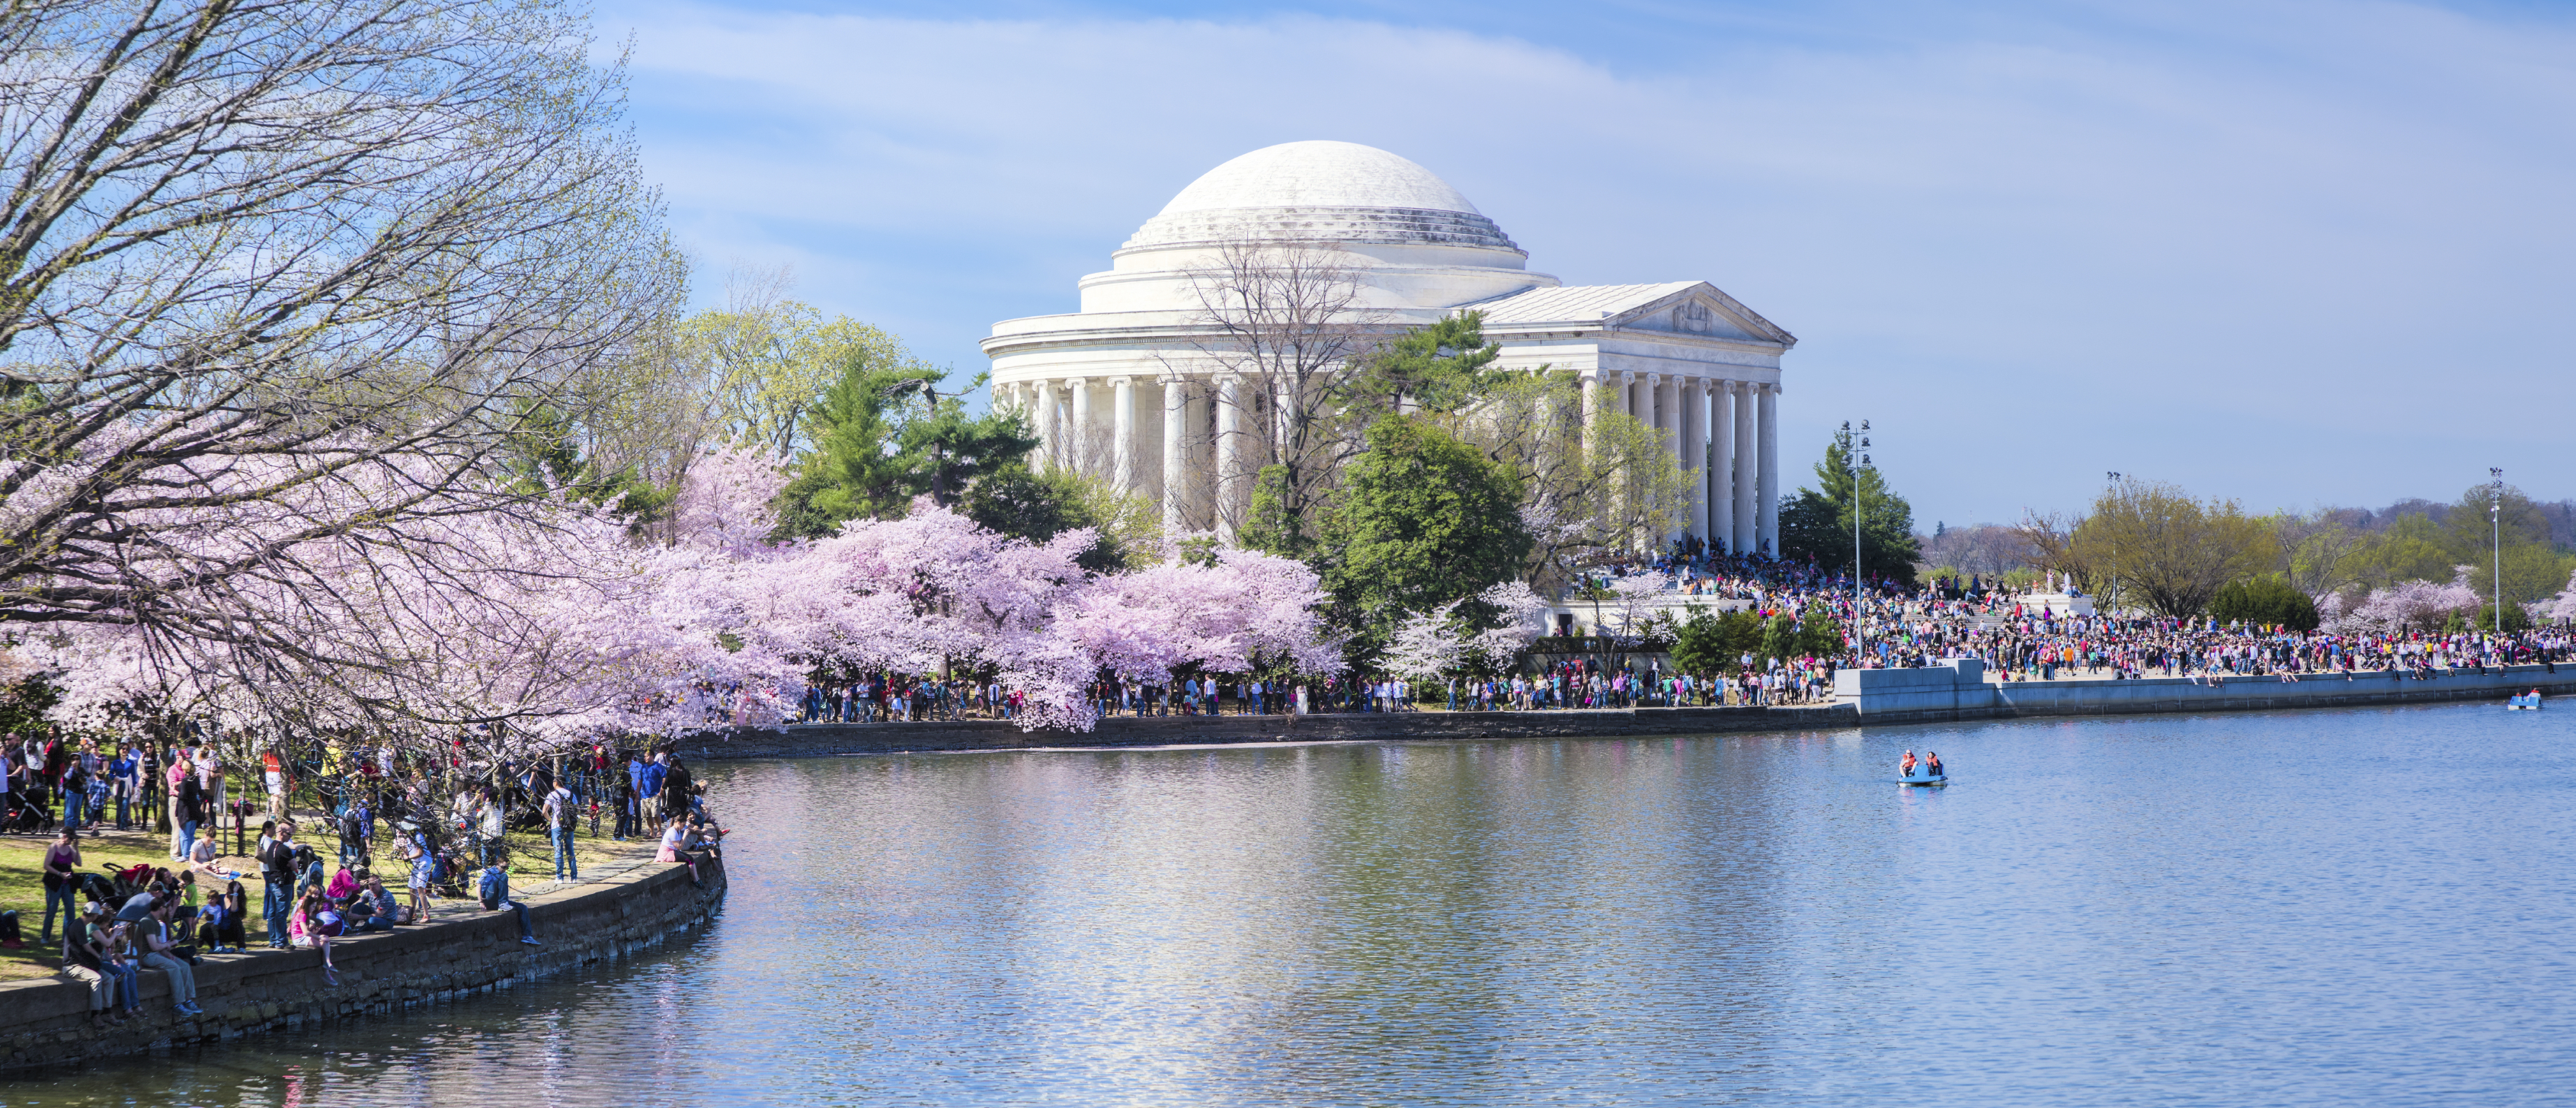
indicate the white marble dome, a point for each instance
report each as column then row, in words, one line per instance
column 1324, row 192
column 1425, row 245
column 1319, row 174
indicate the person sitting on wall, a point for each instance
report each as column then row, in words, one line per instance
column 375, row 907
column 494, row 890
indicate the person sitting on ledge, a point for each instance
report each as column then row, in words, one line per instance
column 375, row 906
column 675, row 850
column 494, row 890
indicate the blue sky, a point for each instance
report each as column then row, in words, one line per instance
column 2291, row 253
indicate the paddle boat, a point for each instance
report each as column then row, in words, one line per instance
column 1923, row 776
column 2527, row 702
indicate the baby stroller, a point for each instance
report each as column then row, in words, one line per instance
column 113, row 887
column 29, row 812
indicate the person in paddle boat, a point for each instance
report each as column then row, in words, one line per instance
column 1932, row 764
column 1906, row 767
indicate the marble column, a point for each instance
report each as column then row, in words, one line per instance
column 1176, row 451
column 1122, row 433
column 1694, row 452
column 1720, row 486
column 1229, row 454
column 1588, row 390
column 1078, row 433
column 1745, row 467
column 1042, row 421
column 1769, row 488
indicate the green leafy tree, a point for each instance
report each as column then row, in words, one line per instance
column 1820, row 635
column 1275, row 524
column 1027, row 504
column 1717, row 643
column 884, row 434
column 2165, row 550
column 2268, row 600
column 2534, row 570
column 1817, row 522
column 1439, row 368
column 544, row 455
column 1422, row 519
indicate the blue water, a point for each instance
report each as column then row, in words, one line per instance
column 2353, row 907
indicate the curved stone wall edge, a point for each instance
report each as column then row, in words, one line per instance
column 46, row 1022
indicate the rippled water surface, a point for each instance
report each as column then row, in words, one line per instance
column 2313, row 908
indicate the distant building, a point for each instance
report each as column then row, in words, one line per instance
column 1126, row 388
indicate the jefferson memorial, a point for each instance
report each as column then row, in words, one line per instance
column 1126, row 389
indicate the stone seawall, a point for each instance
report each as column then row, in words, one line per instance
column 46, row 1023
column 1867, row 698
column 814, row 740
column 1959, row 691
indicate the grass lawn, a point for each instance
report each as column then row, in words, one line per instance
column 22, row 863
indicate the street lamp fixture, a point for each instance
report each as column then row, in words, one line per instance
column 1856, row 461
column 2114, row 479
column 2495, row 525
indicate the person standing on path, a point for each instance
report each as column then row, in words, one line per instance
column 272, row 773
column 630, row 807
column 677, row 790
column 62, row 865
column 171, row 779
column 562, row 809
column 648, row 789
column 415, row 850
column 495, row 825
column 277, row 874
column 126, row 783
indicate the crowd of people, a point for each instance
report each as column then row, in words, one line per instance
column 2020, row 637
column 374, row 802
column 1884, row 623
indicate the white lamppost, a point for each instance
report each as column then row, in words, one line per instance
column 1855, row 462
column 2495, row 524
column 2114, row 476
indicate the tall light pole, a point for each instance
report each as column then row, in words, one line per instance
column 2495, row 524
column 1854, row 461
column 2114, row 476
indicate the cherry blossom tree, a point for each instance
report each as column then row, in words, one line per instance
column 2403, row 606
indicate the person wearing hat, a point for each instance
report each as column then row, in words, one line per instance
column 84, row 959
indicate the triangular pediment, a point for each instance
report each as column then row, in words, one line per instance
column 1701, row 309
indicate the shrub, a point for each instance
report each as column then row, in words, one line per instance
column 2264, row 600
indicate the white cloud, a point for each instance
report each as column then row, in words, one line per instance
column 2250, row 248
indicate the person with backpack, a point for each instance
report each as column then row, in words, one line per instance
column 354, row 824
column 563, row 813
column 494, row 890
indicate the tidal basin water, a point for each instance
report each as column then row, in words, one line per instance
column 2357, row 907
